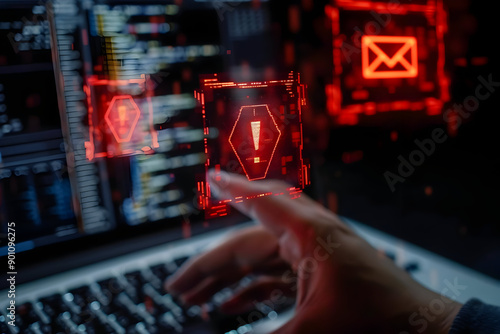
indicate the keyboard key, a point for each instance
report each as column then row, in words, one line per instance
column 133, row 309
column 110, row 287
column 135, row 279
column 117, row 285
column 390, row 255
column 4, row 328
column 412, row 267
column 38, row 308
column 194, row 315
column 222, row 296
column 140, row 328
column 97, row 327
column 66, row 322
column 168, row 319
column 180, row 261
column 150, row 278
column 69, row 300
column 165, row 303
column 83, row 296
column 37, row 328
column 95, row 290
column 125, row 319
column 53, row 306
column 161, row 271
column 105, row 324
column 154, row 301
column 25, row 315
column 133, row 303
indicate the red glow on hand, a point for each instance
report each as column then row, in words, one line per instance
column 259, row 135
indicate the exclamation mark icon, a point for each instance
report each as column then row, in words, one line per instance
column 122, row 115
column 256, row 136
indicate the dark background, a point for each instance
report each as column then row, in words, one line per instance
column 449, row 205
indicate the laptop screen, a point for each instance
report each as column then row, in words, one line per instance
column 99, row 129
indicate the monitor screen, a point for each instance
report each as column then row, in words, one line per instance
column 99, row 128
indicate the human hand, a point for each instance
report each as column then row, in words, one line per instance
column 252, row 250
column 343, row 284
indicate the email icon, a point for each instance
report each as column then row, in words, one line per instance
column 389, row 57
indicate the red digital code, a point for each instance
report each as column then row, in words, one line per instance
column 120, row 118
column 388, row 56
column 253, row 129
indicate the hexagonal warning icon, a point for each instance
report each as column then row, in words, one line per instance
column 122, row 117
column 254, row 138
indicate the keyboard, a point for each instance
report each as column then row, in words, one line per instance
column 126, row 294
column 131, row 299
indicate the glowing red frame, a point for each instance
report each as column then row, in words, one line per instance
column 294, row 88
column 92, row 144
column 348, row 113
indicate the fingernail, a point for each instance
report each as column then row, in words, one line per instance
column 217, row 176
column 217, row 179
column 212, row 175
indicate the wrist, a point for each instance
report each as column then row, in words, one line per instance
column 430, row 313
column 451, row 312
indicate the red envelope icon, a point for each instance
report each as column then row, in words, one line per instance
column 376, row 62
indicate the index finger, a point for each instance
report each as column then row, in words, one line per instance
column 266, row 201
column 236, row 254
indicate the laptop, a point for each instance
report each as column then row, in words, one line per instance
column 104, row 156
column 111, row 113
